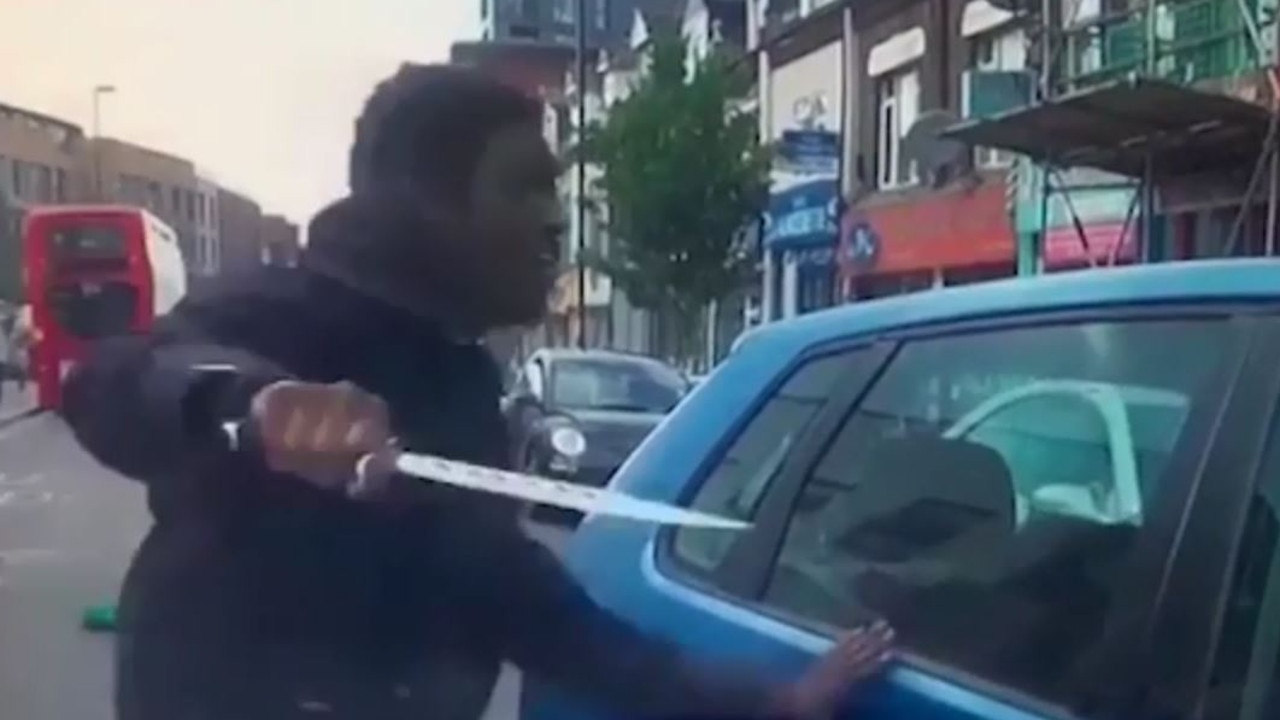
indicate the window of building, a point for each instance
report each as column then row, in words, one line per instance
column 562, row 11
column 602, row 14
column 61, row 192
column 1001, row 50
column 781, row 12
column 18, row 179
column 175, row 202
column 44, row 184
column 215, row 255
column 897, row 107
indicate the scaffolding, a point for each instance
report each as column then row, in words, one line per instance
column 1158, row 92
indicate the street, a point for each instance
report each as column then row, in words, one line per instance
column 67, row 530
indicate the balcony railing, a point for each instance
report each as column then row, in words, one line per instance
column 1183, row 41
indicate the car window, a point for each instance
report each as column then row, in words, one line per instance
column 616, row 384
column 736, row 485
column 904, row 517
column 1058, row 452
column 1245, row 683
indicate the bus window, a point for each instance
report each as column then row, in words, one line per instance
column 93, row 310
column 71, row 246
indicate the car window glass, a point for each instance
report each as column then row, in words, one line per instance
column 983, row 498
column 1245, row 683
column 734, row 488
column 627, row 385
column 1056, row 447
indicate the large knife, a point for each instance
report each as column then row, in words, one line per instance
column 530, row 488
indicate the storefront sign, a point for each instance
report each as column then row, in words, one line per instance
column 803, row 216
column 809, row 152
column 1063, row 246
column 951, row 229
column 860, row 245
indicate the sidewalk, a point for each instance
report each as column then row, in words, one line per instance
column 15, row 403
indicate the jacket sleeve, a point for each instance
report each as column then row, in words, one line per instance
column 523, row 601
column 148, row 405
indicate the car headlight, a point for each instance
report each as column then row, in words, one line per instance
column 568, row 441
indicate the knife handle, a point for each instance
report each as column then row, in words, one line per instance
column 368, row 477
column 373, row 472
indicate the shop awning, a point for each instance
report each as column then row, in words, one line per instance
column 1118, row 126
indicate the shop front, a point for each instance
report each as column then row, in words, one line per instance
column 1081, row 218
column 1100, row 245
column 954, row 237
column 799, row 244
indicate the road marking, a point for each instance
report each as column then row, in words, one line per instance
column 24, row 481
column 26, row 556
column 15, row 498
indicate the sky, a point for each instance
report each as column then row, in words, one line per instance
column 260, row 94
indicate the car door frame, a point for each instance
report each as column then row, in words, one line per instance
column 1187, row 627
column 747, row 569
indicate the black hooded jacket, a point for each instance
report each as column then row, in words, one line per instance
column 256, row 596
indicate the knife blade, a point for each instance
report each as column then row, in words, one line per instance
column 531, row 488
column 556, row 493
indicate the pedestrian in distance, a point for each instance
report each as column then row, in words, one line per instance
column 271, row 586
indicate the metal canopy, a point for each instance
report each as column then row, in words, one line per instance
column 1122, row 126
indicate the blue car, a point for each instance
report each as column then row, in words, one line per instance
column 1063, row 492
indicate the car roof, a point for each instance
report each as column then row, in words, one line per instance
column 557, row 354
column 1188, row 281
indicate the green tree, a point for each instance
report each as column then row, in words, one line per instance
column 685, row 177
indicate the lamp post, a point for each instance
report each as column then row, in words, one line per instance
column 580, row 73
column 98, row 92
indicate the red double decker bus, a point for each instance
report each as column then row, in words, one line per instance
column 92, row 272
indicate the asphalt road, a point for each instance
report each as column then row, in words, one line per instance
column 67, row 530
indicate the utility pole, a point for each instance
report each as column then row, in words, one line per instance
column 580, row 73
column 98, row 92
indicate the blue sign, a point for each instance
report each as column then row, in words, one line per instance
column 809, row 152
column 862, row 246
column 803, row 216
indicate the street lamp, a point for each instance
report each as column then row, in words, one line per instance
column 98, row 92
column 580, row 72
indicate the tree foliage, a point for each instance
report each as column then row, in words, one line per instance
column 684, row 176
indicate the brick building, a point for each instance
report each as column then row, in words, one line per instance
column 40, row 162
column 44, row 160
column 279, row 242
column 240, row 229
column 165, row 184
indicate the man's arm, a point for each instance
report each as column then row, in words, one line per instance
column 520, row 598
column 147, row 405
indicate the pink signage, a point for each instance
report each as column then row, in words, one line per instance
column 1063, row 246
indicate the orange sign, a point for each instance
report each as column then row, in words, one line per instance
column 946, row 229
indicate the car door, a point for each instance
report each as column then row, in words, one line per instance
column 1216, row 649
column 997, row 620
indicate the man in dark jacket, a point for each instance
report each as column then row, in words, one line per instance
column 272, row 587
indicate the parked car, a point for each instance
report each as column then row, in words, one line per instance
column 1064, row 493
column 578, row 414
